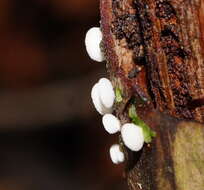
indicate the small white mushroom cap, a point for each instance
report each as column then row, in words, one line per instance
column 106, row 92
column 92, row 41
column 116, row 155
column 95, row 96
column 132, row 136
column 96, row 99
column 103, row 96
column 111, row 123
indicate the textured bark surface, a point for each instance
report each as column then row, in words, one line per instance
column 157, row 45
column 155, row 54
column 173, row 161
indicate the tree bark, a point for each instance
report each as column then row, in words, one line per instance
column 155, row 55
column 173, row 161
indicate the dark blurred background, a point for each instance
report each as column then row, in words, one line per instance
column 50, row 135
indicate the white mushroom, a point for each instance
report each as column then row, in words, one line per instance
column 106, row 92
column 96, row 99
column 103, row 96
column 111, row 123
column 132, row 136
column 95, row 96
column 92, row 41
column 117, row 156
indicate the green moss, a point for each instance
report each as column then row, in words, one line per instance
column 148, row 133
column 118, row 95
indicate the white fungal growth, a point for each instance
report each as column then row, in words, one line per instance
column 103, row 96
column 106, row 92
column 96, row 99
column 132, row 136
column 117, row 156
column 92, row 41
column 111, row 123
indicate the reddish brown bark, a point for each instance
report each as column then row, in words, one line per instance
column 157, row 45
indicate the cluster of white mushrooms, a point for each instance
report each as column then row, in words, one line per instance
column 103, row 97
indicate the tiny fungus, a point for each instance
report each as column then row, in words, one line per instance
column 96, row 99
column 103, row 96
column 92, row 41
column 117, row 156
column 111, row 123
column 132, row 136
column 106, row 92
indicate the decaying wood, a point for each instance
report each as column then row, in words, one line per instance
column 168, row 56
column 155, row 52
column 173, row 161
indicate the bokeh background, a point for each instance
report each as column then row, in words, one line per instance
column 50, row 135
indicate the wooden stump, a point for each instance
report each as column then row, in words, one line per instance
column 155, row 55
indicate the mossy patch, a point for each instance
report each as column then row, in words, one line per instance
column 118, row 95
column 148, row 133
